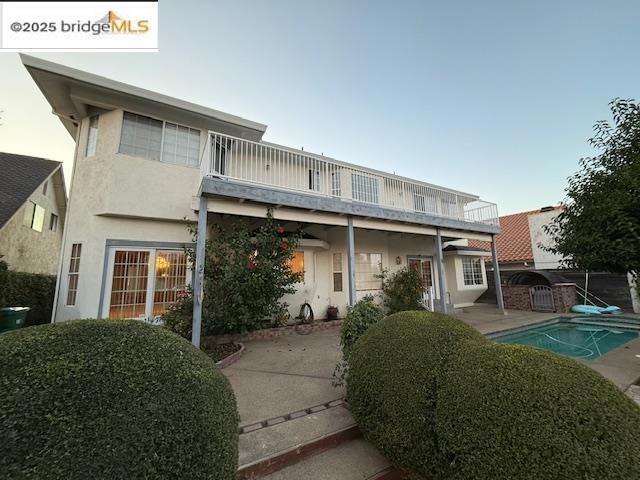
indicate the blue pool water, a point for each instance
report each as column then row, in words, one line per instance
column 577, row 338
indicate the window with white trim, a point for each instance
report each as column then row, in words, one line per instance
column 74, row 272
column 33, row 216
column 472, row 271
column 92, row 137
column 368, row 271
column 314, row 180
column 337, row 272
column 364, row 188
column 336, row 191
column 158, row 140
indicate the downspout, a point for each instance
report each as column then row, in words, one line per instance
column 66, row 220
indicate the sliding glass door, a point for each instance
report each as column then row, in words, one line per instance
column 144, row 282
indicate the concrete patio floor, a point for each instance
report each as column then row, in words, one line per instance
column 285, row 374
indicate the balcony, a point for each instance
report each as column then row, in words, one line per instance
column 274, row 167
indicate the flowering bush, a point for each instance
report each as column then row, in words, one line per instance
column 247, row 272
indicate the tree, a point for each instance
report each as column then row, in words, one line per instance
column 599, row 227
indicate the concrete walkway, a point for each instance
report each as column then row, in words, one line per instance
column 286, row 374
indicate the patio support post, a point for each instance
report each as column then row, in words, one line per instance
column 496, row 274
column 442, row 281
column 198, row 280
column 351, row 261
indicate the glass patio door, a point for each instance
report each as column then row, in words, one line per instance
column 144, row 282
column 424, row 266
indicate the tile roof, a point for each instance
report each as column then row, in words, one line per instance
column 514, row 241
column 20, row 175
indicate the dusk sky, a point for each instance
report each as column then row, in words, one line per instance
column 496, row 98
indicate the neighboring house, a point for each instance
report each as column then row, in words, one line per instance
column 145, row 162
column 33, row 203
column 523, row 258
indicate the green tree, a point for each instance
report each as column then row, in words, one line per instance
column 599, row 227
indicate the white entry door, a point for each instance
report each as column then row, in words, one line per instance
column 424, row 266
column 142, row 283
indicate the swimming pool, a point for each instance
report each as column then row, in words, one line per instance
column 581, row 338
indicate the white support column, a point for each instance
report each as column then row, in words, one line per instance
column 351, row 262
column 496, row 274
column 198, row 281
column 442, row 280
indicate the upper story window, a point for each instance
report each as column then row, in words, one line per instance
column 53, row 222
column 472, row 271
column 157, row 140
column 33, row 216
column 92, row 137
column 364, row 188
column 314, row 180
column 44, row 187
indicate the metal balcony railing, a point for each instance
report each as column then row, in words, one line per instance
column 263, row 163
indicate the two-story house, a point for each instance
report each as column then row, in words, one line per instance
column 145, row 162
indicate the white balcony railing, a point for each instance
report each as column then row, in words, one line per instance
column 275, row 166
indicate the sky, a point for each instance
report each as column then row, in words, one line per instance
column 495, row 98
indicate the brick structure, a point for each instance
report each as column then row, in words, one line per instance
column 564, row 296
column 517, row 297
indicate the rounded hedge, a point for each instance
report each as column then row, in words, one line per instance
column 509, row 411
column 112, row 399
column 393, row 381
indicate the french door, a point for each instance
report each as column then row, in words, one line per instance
column 144, row 282
column 424, row 266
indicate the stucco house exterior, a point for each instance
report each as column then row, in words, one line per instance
column 146, row 164
column 33, row 202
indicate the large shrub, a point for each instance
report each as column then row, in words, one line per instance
column 514, row 412
column 403, row 290
column 392, row 384
column 20, row 289
column 359, row 317
column 112, row 399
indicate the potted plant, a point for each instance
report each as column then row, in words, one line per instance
column 332, row 312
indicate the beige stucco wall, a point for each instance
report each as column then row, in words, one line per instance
column 542, row 259
column 461, row 295
column 119, row 197
column 26, row 250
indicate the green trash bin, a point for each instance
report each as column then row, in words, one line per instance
column 12, row 318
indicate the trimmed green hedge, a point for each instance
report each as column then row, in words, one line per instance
column 440, row 400
column 392, row 383
column 19, row 289
column 509, row 411
column 359, row 318
column 112, row 399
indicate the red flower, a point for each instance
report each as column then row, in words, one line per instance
column 280, row 230
column 284, row 245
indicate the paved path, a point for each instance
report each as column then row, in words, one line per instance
column 286, row 374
